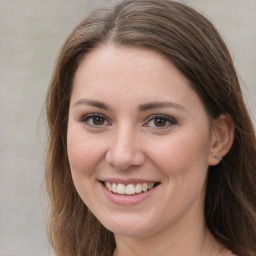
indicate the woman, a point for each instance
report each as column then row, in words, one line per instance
column 151, row 149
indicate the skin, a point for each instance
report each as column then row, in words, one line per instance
column 128, row 142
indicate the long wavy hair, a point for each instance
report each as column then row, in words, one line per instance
column 194, row 46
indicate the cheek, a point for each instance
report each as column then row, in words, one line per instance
column 186, row 172
column 183, row 162
column 181, row 154
column 84, row 157
column 83, row 153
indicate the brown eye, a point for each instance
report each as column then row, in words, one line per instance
column 95, row 120
column 160, row 122
column 98, row 120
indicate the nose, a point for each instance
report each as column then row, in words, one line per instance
column 125, row 150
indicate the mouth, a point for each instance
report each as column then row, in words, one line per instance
column 129, row 189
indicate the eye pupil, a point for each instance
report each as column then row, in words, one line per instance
column 159, row 122
column 98, row 120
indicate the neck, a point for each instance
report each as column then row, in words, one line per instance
column 192, row 241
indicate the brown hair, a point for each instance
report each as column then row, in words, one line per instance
column 194, row 46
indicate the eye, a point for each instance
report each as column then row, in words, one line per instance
column 95, row 120
column 160, row 121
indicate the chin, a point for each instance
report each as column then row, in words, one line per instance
column 131, row 226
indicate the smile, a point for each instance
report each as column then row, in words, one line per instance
column 129, row 189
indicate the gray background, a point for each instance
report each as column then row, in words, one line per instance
column 32, row 32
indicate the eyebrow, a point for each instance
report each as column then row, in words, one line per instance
column 141, row 108
column 94, row 103
column 162, row 104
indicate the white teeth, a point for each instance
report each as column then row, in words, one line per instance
column 108, row 185
column 120, row 189
column 114, row 188
column 138, row 188
column 144, row 187
column 129, row 189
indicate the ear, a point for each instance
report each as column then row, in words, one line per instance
column 222, row 138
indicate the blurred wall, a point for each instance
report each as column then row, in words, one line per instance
column 32, row 32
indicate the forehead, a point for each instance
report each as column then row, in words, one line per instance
column 124, row 75
column 121, row 65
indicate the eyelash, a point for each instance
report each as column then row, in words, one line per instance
column 91, row 117
column 171, row 121
column 86, row 119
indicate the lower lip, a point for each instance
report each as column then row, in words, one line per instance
column 127, row 200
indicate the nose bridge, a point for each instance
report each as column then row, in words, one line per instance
column 125, row 150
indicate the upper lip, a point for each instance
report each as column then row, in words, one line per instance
column 128, row 181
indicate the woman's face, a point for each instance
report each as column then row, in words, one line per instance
column 139, row 142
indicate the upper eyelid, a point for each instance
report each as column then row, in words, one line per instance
column 161, row 116
column 92, row 115
column 172, row 121
column 84, row 118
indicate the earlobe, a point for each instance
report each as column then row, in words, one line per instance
column 222, row 138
